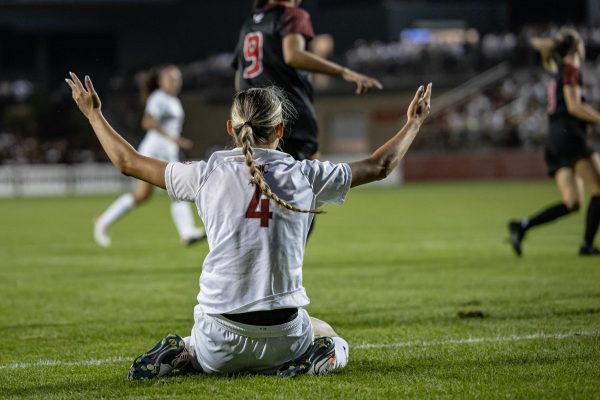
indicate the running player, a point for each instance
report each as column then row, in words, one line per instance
column 567, row 153
column 163, row 120
column 272, row 50
column 257, row 204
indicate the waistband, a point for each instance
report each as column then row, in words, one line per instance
column 264, row 318
column 256, row 331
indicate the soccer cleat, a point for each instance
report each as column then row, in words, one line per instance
column 101, row 235
column 158, row 361
column 318, row 360
column 516, row 236
column 196, row 236
column 589, row 251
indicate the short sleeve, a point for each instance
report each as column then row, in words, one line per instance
column 330, row 182
column 297, row 20
column 183, row 180
column 571, row 76
column 154, row 106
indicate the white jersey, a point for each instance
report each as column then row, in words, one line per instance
column 168, row 111
column 256, row 246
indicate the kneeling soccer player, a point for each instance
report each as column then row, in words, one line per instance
column 257, row 205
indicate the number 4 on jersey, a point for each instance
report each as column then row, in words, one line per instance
column 263, row 214
column 253, row 53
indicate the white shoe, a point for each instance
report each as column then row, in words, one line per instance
column 101, row 235
column 195, row 236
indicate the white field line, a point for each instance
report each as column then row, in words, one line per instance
column 412, row 343
column 475, row 340
column 59, row 363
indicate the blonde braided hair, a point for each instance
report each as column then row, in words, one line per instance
column 255, row 114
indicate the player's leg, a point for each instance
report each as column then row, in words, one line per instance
column 591, row 176
column 567, row 184
column 322, row 328
column 118, row 209
column 596, row 160
column 342, row 348
column 183, row 217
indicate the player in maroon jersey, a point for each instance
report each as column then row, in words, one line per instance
column 272, row 50
column 567, row 153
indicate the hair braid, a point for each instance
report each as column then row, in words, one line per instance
column 247, row 142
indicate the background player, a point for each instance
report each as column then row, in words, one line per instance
column 567, row 153
column 273, row 50
column 163, row 120
column 250, row 316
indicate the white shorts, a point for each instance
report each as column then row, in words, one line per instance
column 158, row 147
column 222, row 346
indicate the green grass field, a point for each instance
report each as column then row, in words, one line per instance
column 391, row 270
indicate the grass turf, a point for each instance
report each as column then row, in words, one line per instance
column 392, row 267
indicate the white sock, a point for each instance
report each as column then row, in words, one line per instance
column 116, row 210
column 183, row 219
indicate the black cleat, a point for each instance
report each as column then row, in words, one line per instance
column 318, row 360
column 516, row 236
column 589, row 251
column 159, row 360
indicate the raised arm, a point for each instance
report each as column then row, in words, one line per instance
column 121, row 154
column 296, row 56
column 545, row 47
column 383, row 161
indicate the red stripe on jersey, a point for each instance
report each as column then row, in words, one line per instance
column 571, row 75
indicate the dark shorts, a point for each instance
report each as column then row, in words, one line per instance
column 566, row 144
column 300, row 138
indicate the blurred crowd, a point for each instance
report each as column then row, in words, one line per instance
column 420, row 51
column 16, row 149
column 508, row 113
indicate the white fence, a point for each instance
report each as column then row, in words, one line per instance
column 61, row 180
column 80, row 179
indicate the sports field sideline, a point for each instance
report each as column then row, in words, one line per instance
column 419, row 279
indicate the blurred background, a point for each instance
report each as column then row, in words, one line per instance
column 488, row 119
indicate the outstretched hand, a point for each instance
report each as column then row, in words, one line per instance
column 420, row 106
column 363, row 82
column 86, row 97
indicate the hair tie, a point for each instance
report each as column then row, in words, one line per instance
column 247, row 123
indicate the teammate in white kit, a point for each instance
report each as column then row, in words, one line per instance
column 257, row 204
column 163, row 120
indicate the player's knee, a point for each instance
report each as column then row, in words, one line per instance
column 573, row 205
column 142, row 197
column 595, row 189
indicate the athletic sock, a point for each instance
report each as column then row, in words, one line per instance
column 549, row 214
column 183, row 218
column 592, row 221
column 116, row 210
